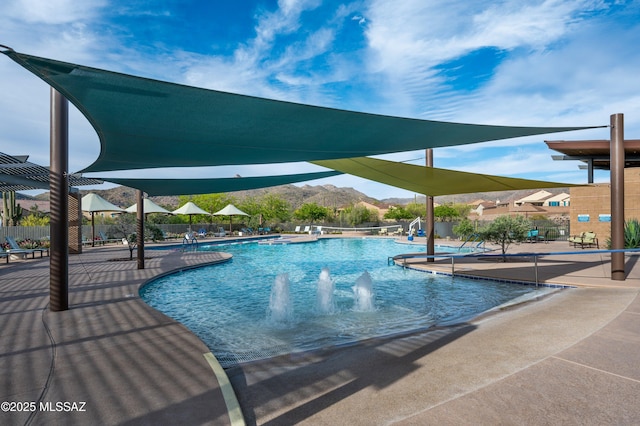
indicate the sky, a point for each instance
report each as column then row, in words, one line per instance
column 510, row 62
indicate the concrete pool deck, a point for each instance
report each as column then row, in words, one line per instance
column 570, row 358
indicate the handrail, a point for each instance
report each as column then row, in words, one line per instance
column 416, row 220
column 535, row 256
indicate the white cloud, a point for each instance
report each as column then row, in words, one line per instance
column 52, row 12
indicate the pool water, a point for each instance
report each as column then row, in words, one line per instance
column 231, row 306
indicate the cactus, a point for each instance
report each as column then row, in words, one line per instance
column 11, row 212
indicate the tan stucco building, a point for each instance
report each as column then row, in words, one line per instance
column 591, row 205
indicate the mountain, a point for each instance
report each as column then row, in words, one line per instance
column 325, row 195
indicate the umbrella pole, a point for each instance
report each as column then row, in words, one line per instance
column 93, row 231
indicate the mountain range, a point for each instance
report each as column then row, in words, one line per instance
column 325, row 195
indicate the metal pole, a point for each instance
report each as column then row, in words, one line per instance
column 59, row 199
column 617, row 196
column 430, row 225
column 140, row 229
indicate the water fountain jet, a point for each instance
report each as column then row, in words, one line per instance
column 280, row 306
column 363, row 294
column 324, row 295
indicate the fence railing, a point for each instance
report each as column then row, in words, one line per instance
column 402, row 258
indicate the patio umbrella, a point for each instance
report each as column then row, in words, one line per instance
column 94, row 203
column 148, row 207
column 190, row 209
column 230, row 210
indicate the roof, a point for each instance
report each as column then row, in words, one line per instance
column 430, row 180
column 18, row 174
column 596, row 150
column 535, row 197
column 144, row 123
column 558, row 197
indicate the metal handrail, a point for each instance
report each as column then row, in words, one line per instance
column 535, row 257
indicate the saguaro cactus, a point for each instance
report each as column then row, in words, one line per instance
column 11, row 212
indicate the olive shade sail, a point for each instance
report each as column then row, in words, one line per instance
column 430, row 180
column 145, row 123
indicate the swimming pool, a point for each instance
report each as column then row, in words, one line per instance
column 271, row 300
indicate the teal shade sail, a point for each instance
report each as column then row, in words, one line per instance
column 215, row 185
column 144, row 123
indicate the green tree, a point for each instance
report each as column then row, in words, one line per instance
column 505, row 230
column 275, row 209
column 416, row 210
column 462, row 209
column 355, row 215
column 312, row 212
column 445, row 213
column 397, row 213
column 464, row 229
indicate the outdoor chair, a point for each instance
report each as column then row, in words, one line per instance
column 14, row 248
column 307, row 229
column 5, row 255
column 532, row 236
column 398, row 231
column 589, row 240
column 576, row 240
column 104, row 239
column 383, row 231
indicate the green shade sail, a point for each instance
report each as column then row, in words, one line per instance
column 430, row 180
column 144, row 123
column 215, row 185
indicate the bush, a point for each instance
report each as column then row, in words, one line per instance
column 506, row 230
column 631, row 234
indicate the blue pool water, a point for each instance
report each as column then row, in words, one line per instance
column 231, row 306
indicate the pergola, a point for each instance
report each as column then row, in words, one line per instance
column 596, row 154
column 144, row 123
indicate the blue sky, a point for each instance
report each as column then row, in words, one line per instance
column 512, row 62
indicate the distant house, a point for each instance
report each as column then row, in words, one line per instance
column 560, row 200
column 536, row 199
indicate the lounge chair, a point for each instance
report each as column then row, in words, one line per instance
column 5, row 255
column 202, row 233
column 190, row 238
column 297, row 230
column 398, row 231
column 16, row 249
column 383, row 231
column 221, row 232
column 307, row 229
column 104, row 239
column 532, row 236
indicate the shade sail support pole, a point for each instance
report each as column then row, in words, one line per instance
column 617, row 196
column 431, row 250
column 140, row 228
column 59, row 202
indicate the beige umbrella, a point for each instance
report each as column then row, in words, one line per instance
column 148, row 206
column 230, row 210
column 190, row 209
column 94, row 203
